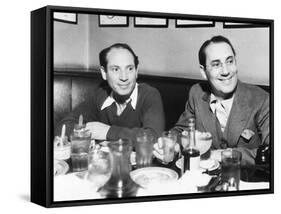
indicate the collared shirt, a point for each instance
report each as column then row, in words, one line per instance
column 221, row 108
column 121, row 107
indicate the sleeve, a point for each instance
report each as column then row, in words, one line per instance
column 262, row 122
column 87, row 109
column 248, row 155
column 152, row 117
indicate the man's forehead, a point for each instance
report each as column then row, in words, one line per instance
column 119, row 54
column 220, row 50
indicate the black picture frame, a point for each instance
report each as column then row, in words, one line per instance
column 184, row 23
column 113, row 21
column 42, row 102
column 151, row 22
column 71, row 18
column 228, row 25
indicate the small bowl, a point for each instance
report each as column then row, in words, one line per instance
column 203, row 141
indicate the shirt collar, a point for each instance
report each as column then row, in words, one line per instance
column 227, row 104
column 133, row 98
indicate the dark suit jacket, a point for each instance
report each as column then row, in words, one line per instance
column 249, row 117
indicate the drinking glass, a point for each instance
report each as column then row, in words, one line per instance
column 168, row 140
column 231, row 161
column 99, row 167
column 80, row 143
column 144, row 147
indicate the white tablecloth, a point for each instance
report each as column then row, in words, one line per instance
column 72, row 187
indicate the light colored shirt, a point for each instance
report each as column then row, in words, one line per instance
column 121, row 107
column 221, row 108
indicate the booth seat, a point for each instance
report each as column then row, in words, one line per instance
column 72, row 88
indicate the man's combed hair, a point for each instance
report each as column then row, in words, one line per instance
column 104, row 52
column 215, row 39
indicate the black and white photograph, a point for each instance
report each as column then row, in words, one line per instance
column 136, row 115
column 144, row 106
column 140, row 106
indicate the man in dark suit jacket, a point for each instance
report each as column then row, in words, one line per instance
column 235, row 113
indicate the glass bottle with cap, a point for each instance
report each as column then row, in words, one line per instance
column 191, row 155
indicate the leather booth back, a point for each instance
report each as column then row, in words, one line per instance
column 70, row 89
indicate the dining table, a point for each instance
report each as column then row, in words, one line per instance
column 69, row 185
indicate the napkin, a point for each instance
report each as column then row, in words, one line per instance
column 166, row 188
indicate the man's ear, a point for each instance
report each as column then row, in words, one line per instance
column 103, row 72
column 203, row 72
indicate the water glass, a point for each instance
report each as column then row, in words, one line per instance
column 231, row 161
column 80, row 144
column 168, row 140
column 144, row 147
column 99, row 168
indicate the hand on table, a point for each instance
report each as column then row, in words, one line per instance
column 98, row 130
column 216, row 154
column 158, row 151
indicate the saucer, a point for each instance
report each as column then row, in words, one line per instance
column 209, row 164
column 60, row 167
column 151, row 175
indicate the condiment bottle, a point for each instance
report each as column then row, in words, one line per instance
column 191, row 155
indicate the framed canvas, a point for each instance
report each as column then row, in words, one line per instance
column 90, row 120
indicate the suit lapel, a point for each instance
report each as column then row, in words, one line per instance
column 207, row 117
column 238, row 117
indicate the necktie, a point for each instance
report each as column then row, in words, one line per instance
column 221, row 114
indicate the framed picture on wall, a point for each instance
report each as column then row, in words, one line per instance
column 242, row 25
column 150, row 22
column 194, row 23
column 93, row 85
column 113, row 21
column 66, row 17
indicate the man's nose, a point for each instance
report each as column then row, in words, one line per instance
column 224, row 69
column 123, row 75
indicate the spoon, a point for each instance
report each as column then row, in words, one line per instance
column 80, row 123
column 62, row 135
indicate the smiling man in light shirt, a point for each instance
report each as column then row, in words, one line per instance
column 122, row 106
column 235, row 113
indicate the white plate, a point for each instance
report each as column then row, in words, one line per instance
column 60, row 167
column 205, row 164
column 149, row 175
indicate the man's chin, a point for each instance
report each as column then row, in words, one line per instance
column 122, row 95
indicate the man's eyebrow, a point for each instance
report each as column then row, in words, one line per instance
column 130, row 65
column 215, row 61
column 230, row 57
column 112, row 66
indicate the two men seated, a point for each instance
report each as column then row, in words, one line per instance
column 235, row 113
